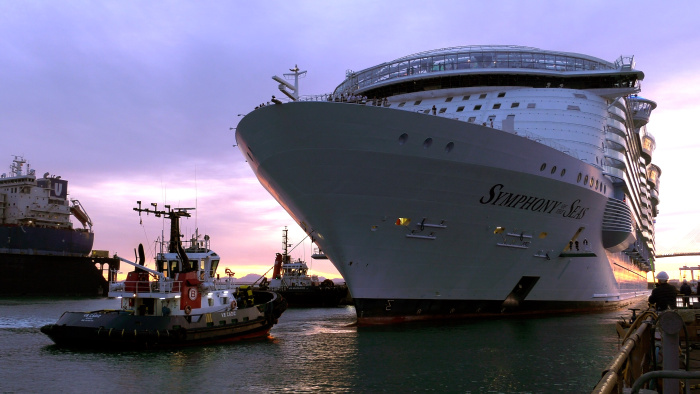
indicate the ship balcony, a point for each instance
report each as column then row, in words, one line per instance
column 653, row 174
column 641, row 110
column 148, row 289
column 616, row 128
column 654, row 196
column 648, row 146
column 615, row 159
column 616, row 175
column 615, row 142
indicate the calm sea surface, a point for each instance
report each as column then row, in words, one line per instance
column 313, row 350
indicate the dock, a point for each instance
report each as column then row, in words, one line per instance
column 659, row 352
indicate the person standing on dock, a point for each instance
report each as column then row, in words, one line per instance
column 686, row 291
column 664, row 295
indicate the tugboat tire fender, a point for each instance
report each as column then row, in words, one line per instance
column 188, row 310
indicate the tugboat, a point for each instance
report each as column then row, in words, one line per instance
column 39, row 245
column 290, row 278
column 182, row 302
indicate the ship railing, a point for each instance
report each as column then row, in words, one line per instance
column 145, row 287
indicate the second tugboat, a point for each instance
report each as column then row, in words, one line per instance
column 291, row 279
column 182, row 302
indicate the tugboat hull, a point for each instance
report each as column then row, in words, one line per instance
column 119, row 329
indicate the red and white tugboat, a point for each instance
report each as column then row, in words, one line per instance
column 182, row 302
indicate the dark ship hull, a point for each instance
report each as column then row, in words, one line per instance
column 119, row 329
column 314, row 296
column 40, row 275
column 46, row 241
column 40, row 261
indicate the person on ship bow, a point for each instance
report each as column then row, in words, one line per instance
column 664, row 295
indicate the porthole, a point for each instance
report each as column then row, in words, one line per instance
column 554, row 169
column 563, row 171
column 591, row 184
column 543, row 166
column 427, row 143
column 596, row 184
column 449, row 147
column 578, row 179
column 585, row 180
column 403, row 138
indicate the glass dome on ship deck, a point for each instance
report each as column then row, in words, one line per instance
column 473, row 59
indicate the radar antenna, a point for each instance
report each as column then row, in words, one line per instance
column 291, row 91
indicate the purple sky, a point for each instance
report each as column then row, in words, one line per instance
column 134, row 100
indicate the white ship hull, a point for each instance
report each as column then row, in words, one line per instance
column 474, row 245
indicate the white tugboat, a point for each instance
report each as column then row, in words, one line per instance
column 181, row 302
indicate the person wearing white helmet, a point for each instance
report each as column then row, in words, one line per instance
column 664, row 295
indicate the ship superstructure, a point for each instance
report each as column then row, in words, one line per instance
column 471, row 180
column 35, row 215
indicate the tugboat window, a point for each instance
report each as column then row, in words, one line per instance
column 477, row 107
column 460, row 109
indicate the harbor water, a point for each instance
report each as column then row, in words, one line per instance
column 319, row 350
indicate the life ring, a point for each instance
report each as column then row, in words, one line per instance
column 188, row 310
column 234, row 305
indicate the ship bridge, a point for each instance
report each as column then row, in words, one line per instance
column 490, row 66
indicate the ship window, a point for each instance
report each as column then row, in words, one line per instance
column 442, row 110
column 543, row 166
column 573, row 108
column 418, row 102
column 591, row 182
column 502, row 94
column 477, row 107
column 585, row 179
column 402, row 138
column 449, row 147
column 402, row 104
column 554, row 169
column 465, row 98
column 563, row 171
column 483, row 96
column 472, row 119
column 447, row 100
column 531, row 105
column 579, row 178
column 605, row 188
column 497, row 106
column 460, row 109
column 515, row 105
column 427, row 111
column 596, row 184
column 426, row 144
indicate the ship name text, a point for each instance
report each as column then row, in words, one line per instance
column 502, row 198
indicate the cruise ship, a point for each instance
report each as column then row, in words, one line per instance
column 469, row 181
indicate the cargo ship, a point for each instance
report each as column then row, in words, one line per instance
column 41, row 253
column 470, row 181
